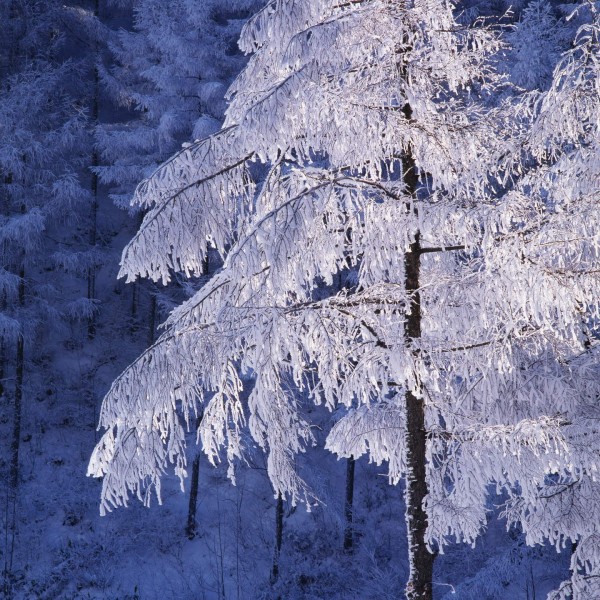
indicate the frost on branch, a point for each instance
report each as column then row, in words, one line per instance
column 306, row 86
column 377, row 431
column 197, row 195
column 312, row 293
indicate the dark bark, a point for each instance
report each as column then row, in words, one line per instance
column 135, row 292
column 419, row 585
column 421, row 560
column 152, row 319
column 13, row 478
column 278, row 538
column 192, row 527
column 349, row 505
column 206, row 262
column 136, row 286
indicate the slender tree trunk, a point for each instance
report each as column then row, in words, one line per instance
column 349, row 505
column 13, row 479
column 278, row 538
column 206, row 262
column 136, row 286
column 135, row 292
column 191, row 528
column 191, row 522
column 91, row 283
column 419, row 585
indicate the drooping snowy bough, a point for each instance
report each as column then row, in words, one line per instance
column 463, row 343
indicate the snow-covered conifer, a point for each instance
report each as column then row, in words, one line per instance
column 560, row 241
column 167, row 77
column 40, row 131
column 171, row 71
column 536, row 43
column 464, row 349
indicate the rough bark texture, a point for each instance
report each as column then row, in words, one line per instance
column 419, row 585
column 421, row 560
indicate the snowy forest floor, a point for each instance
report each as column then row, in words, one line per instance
column 66, row 550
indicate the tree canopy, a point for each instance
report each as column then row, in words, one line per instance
column 404, row 234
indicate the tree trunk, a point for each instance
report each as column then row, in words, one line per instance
column 349, row 505
column 419, row 585
column 13, row 479
column 135, row 287
column 191, row 528
column 206, row 262
column 278, row 538
column 91, row 283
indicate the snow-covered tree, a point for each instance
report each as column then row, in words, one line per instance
column 536, row 43
column 40, row 131
column 463, row 344
column 167, row 76
column 560, row 242
column 172, row 70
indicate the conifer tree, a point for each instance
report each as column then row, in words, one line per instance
column 465, row 350
column 559, row 191
column 40, row 133
column 171, row 71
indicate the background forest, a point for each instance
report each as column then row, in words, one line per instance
column 94, row 96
